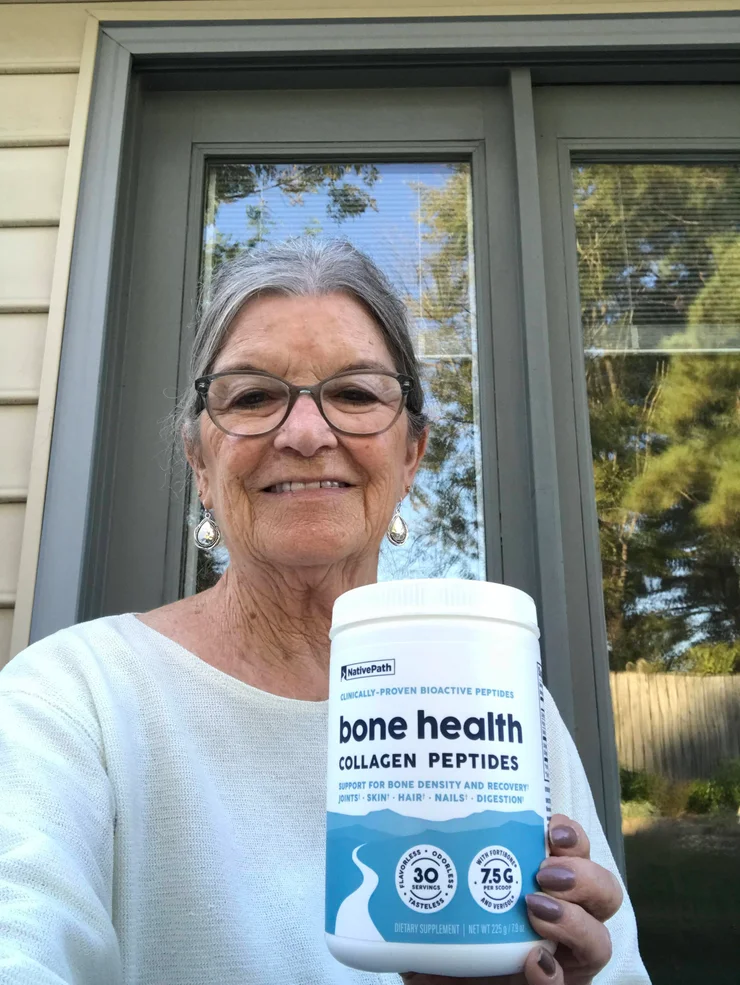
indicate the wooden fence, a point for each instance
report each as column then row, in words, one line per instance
column 675, row 725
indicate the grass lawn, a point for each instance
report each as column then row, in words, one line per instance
column 684, row 880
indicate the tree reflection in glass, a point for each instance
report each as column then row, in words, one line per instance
column 659, row 276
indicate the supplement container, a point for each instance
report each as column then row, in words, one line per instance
column 438, row 790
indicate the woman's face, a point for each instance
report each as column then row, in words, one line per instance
column 304, row 340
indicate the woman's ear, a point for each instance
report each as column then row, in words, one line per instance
column 194, row 455
column 414, row 453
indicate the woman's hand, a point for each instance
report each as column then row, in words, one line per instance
column 577, row 897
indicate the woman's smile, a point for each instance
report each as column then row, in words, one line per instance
column 308, row 486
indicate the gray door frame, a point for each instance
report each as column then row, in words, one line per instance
column 540, row 50
column 178, row 133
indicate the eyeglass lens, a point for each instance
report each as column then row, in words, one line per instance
column 362, row 403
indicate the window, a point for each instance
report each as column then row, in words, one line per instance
column 415, row 221
column 644, row 308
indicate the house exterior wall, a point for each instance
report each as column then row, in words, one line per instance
column 43, row 105
column 35, row 118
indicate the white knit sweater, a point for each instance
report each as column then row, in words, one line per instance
column 162, row 823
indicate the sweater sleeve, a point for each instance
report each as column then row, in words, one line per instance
column 572, row 796
column 56, row 840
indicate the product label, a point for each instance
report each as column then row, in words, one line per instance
column 438, row 791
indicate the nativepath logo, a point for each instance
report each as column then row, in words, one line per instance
column 369, row 668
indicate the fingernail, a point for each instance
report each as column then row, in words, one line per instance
column 547, row 962
column 556, row 877
column 563, row 836
column 544, row 907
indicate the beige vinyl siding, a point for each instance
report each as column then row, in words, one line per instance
column 6, row 628
column 11, row 532
column 41, row 49
column 39, row 52
column 21, row 352
column 36, row 109
column 36, row 176
column 41, row 37
column 26, row 266
column 16, row 443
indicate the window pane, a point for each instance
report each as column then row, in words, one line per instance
column 659, row 275
column 415, row 222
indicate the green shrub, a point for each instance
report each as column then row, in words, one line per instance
column 705, row 797
column 635, row 784
column 671, row 798
column 720, row 792
column 708, row 659
column 638, row 808
column 727, row 778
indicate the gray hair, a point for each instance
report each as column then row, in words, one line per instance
column 300, row 267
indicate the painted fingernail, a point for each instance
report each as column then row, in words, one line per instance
column 556, row 877
column 547, row 962
column 563, row 836
column 544, row 907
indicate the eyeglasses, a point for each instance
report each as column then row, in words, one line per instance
column 247, row 404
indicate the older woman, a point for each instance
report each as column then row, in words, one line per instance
column 162, row 775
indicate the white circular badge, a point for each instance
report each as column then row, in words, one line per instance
column 495, row 879
column 426, row 878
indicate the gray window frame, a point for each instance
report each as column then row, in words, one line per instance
column 177, row 133
column 525, row 52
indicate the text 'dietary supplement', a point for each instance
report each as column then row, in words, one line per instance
column 438, row 790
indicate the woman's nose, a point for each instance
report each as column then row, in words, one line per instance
column 305, row 430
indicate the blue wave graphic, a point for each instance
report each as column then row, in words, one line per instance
column 389, row 822
column 379, row 839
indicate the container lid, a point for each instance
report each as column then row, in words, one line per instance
column 421, row 597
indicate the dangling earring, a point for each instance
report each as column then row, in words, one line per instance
column 207, row 535
column 398, row 530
